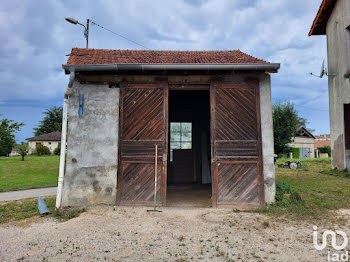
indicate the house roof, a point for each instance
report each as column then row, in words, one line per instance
column 320, row 22
column 323, row 137
column 84, row 56
column 53, row 136
column 321, row 143
column 302, row 131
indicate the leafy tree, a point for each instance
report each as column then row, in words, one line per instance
column 51, row 122
column 7, row 136
column 23, row 149
column 285, row 124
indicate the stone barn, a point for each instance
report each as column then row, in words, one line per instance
column 199, row 123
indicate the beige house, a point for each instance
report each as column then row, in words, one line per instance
column 333, row 20
column 304, row 140
column 51, row 140
column 321, row 141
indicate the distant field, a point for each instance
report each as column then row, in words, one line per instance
column 33, row 172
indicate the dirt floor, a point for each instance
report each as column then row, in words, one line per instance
column 176, row 234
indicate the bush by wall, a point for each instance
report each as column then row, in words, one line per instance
column 325, row 149
column 281, row 189
column 295, row 151
column 41, row 150
column 286, row 197
column 57, row 150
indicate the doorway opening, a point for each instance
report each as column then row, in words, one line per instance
column 189, row 173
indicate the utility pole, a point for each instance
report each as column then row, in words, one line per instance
column 86, row 32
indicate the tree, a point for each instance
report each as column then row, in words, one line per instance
column 7, row 137
column 285, row 125
column 23, row 149
column 51, row 122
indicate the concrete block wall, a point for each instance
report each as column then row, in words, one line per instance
column 92, row 140
column 267, row 138
column 338, row 85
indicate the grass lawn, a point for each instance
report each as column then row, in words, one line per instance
column 21, row 209
column 33, row 172
column 26, row 208
column 321, row 188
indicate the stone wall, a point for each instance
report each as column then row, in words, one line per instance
column 92, row 139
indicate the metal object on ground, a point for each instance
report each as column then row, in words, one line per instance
column 43, row 210
column 291, row 165
column 155, row 182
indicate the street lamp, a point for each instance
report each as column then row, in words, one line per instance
column 86, row 31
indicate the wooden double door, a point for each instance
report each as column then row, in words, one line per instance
column 236, row 160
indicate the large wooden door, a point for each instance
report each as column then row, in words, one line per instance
column 143, row 124
column 236, row 144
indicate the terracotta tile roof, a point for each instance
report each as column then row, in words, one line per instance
column 320, row 143
column 320, row 22
column 83, row 56
column 327, row 136
column 53, row 136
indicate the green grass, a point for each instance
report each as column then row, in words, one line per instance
column 282, row 160
column 21, row 209
column 321, row 189
column 33, row 172
column 26, row 208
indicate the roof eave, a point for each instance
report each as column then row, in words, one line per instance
column 267, row 67
column 320, row 22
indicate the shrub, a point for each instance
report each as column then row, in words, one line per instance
column 42, row 150
column 23, row 149
column 281, row 189
column 296, row 152
column 325, row 149
column 295, row 197
column 57, row 150
column 286, row 197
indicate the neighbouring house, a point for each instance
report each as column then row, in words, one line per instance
column 51, row 140
column 14, row 152
column 321, row 141
column 304, row 140
column 333, row 20
column 208, row 113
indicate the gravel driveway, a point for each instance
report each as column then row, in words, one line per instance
column 132, row 234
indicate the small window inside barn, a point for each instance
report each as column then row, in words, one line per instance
column 49, row 143
column 180, row 136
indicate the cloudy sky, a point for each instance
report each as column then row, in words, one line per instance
column 36, row 38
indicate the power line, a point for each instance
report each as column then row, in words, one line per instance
column 119, row 35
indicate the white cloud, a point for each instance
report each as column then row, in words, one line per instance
column 35, row 39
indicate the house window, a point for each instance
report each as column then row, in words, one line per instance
column 180, row 136
column 49, row 143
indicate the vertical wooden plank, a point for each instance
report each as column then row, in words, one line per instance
column 255, row 84
column 214, row 169
column 120, row 167
column 165, row 152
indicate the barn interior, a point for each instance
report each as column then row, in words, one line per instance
column 189, row 174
